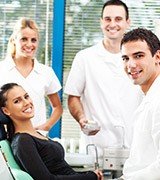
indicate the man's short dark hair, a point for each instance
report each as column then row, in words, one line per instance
column 116, row 3
column 143, row 35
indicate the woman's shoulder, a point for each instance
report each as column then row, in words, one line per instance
column 21, row 143
column 45, row 70
column 41, row 66
column 21, row 138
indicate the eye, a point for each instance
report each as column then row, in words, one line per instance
column 23, row 39
column 26, row 96
column 34, row 40
column 118, row 19
column 138, row 56
column 125, row 58
column 107, row 19
column 16, row 101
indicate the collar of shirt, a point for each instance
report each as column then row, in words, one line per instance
column 10, row 64
column 153, row 92
column 113, row 58
column 102, row 51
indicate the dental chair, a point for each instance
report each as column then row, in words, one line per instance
column 9, row 170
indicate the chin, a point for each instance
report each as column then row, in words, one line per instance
column 32, row 116
column 135, row 82
column 28, row 55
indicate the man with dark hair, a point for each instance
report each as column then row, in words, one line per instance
column 116, row 3
column 97, row 85
column 141, row 55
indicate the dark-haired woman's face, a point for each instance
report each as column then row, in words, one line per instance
column 19, row 105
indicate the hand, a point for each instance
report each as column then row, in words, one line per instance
column 99, row 174
column 91, row 133
column 89, row 128
column 82, row 122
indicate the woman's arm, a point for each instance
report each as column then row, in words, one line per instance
column 56, row 112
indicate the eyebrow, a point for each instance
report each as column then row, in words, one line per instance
column 124, row 56
column 19, row 96
column 136, row 53
column 112, row 17
column 139, row 52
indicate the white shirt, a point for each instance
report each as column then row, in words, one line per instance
column 144, row 159
column 40, row 82
column 107, row 94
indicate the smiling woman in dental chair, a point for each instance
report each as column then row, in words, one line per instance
column 41, row 157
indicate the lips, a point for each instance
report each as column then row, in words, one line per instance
column 112, row 31
column 28, row 110
column 135, row 74
column 27, row 50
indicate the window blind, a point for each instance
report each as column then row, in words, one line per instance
column 39, row 10
column 82, row 29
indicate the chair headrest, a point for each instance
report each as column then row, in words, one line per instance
column 3, row 134
column 4, row 119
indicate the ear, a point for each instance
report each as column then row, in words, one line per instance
column 5, row 111
column 157, row 57
column 101, row 23
column 128, row 23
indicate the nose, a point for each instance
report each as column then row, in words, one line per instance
column 131, row 63
column 29, row 43
column 112, row 23
column 26, row 102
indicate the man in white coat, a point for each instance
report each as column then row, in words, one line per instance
column 141, row 55
column 97, row 85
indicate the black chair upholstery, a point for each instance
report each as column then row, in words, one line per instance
column 3, row 120
column 3, row 134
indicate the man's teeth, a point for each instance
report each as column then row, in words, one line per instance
column 132, row 73
column 136, row 72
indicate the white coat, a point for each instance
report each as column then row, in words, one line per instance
column 144, row 159
column 107, row 94
column 40, row 82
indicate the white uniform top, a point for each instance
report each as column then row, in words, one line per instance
column 144, row 159
column 40, row 82
column 107, row 94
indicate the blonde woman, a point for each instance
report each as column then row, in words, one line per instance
column 22, row 67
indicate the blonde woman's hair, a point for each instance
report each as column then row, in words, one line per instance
column 22, row 23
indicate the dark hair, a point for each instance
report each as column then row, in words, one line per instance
column 143, row 35
column 116, row 3
column 3, row 98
